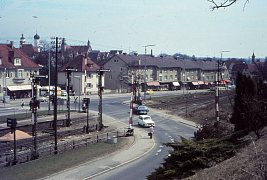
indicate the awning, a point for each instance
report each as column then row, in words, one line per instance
column 20, row 87
column 175, row 83
column 200, row 82
column 195, row 83
column 153, row 83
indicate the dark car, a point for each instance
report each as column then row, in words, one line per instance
column 140, row 110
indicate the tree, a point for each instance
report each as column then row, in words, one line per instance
column 250, row 107
column 216, row 4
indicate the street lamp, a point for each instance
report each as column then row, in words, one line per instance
column 217, row 89
column 149, row 45
column 80, row 79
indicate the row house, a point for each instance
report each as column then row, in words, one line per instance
column 15, row 70
column 160, row 72
column 83, row 78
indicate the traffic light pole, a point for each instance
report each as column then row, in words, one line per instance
column 34, row 104
column 100, row 92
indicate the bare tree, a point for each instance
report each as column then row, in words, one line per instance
column 216, row 4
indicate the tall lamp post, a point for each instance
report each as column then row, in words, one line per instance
column 149, row 45
column 217, row 88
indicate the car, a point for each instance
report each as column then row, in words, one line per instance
column 140, row 109
column 64, row 93
column 43, row 99
column 145, row 121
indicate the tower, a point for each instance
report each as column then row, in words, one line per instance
column 22, row 40
column 253, row 60
column 89, row 46
column 36, row 44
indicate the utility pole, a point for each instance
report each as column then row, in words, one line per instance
column 34, row 104
column 217, row 88
column 68, row 70
column 100, row 92
column 131, row 102
column 55, row 97
column 150, row 45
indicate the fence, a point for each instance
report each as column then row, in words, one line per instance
column 46, row 147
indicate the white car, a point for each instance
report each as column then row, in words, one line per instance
column 145, row 121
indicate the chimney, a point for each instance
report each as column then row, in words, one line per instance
column 12, row 44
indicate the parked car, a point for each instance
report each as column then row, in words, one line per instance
column 43, row 99
column 140, row 109
column 145, row 121
column 64, row 93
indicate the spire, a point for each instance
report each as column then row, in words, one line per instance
column 253, row 58
column 89, row 46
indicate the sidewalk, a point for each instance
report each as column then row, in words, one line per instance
column 141, row 146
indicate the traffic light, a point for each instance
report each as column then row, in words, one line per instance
column 86, row 102
column 11, row 122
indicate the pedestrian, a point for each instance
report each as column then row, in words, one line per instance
column 22, row 104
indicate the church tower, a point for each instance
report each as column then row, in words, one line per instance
column 253, row 60
column 36, row 44
column 89, row 46
column 22, row 40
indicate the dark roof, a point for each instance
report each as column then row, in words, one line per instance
column 81, row 63
column 77, row 49
column 28, row 49
column 7, row 53
column 166, row 62
column 36, row 36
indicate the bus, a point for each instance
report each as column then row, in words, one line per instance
column 44, row 91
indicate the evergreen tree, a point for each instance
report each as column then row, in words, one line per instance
column 249, row 112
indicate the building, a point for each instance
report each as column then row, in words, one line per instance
column 160, row 73
column 84, row 76
column 15, row 70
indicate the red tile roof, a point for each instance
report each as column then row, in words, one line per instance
column 28, row 49
column 7, row 53
column 81, row 63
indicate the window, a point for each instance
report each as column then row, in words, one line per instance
column 89, row 75
column 20, row 73
column 89, row 85
column 165, row 77
column 17, row 62
column 160, row 78
column 171, row 77
column 0, row 61
column 121, row 69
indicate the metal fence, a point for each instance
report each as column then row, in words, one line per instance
column 46, row 146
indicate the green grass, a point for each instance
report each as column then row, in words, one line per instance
column 43, row 167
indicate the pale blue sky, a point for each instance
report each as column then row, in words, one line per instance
column 185, row 26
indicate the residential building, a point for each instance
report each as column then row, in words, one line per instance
column 159, row 73
column 15, row 70
column 84, row 77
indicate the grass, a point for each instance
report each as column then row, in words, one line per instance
column 44, row 167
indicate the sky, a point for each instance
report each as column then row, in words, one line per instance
column 173, row 26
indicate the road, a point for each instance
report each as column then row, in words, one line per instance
column 116, row 106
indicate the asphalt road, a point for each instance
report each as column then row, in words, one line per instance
column 116, row 106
